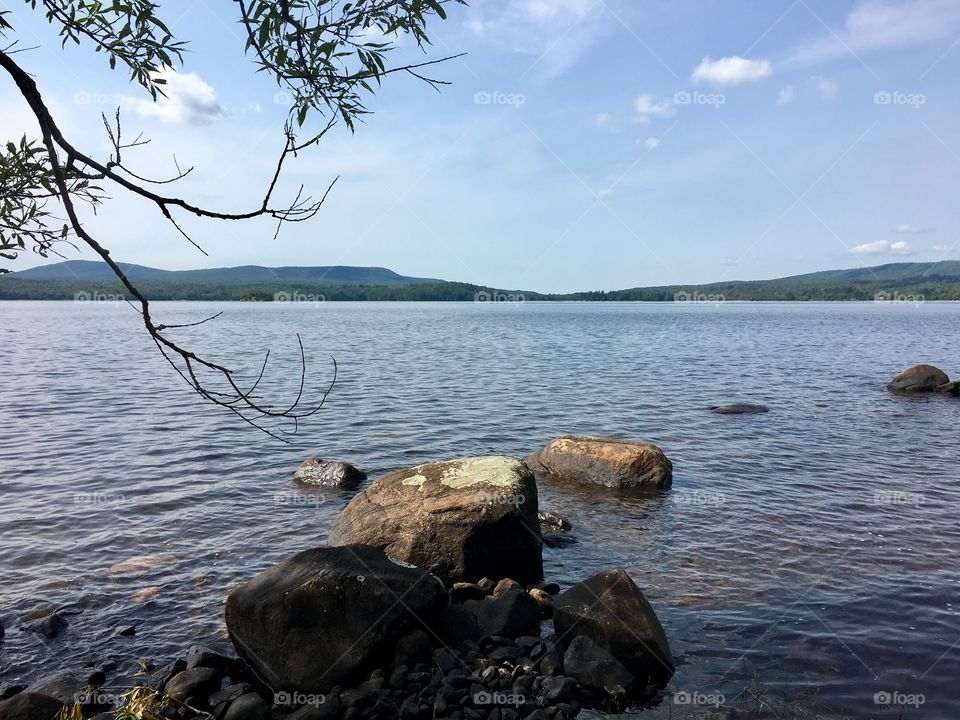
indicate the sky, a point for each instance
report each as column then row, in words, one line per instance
column 580, row 145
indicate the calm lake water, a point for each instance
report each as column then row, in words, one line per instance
column 805, row 558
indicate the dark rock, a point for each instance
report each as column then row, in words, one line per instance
column 229, row 694
column 64, row 686
column 128, row 631
column 248, row 707
column 49, row 627
column 328, row 616
column 919, row 378
column 550, row 522
column 951, row 388
column 456, row 624
column 552, row 662
column 551, row 588
column 29, row 706
column 612, row 611
column 554, row 540
column 324, row 707
column 511, row 614
column 199, row 682
column 413, row 647
column 202, row 656
column 486, row 585
column 739, row 409
column 328, row 473
column 594, row 667
column 543, row 601
column 158, row 679
column 461, row 519
column 9, row 691
column 462, row 591
column 610, row 462
column 506, row 585
column 556, row 689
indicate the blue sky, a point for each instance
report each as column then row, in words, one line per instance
column 582, row 144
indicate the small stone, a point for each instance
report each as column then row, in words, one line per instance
column 328, row 473
column 486, row 585
column 543, row 600
column 198, row 681
column 202, row 656
column 158, row 679
column 506, row 585
column 248, row 707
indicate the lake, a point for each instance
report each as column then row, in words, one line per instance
column 806, row 557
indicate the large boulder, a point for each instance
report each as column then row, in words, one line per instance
column 612, row 611
column 328, row 616
column 29, row 706
column 919, row 378
column 605, row 461
column 461, row 519
column 328, row 473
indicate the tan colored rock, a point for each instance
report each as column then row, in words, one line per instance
column 950, row 388
column 606, row 461
column 462, row 520
column 919, row 378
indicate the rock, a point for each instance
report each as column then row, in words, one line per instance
column 461, row 519
column 739, row 409
column 64, row 686
column 506, row 585
column 129, row 631
column 555, row 540
column 29, row 706
column 919, row 378
column 594, row 667
column 466, row 591
column 158, row 679
column 510, row 614
column 328, row 616
column 456, row 624
column 553, row 523
column 329, row 473
column 610, row 462
column 228, row 694
column 49, row 627
column 543, row 600
column 248, row 707
column 612, row 611
column 950, row 388
column 412, row 648
column 8, row 691
column 202, row 656
column 486, row 585
column 199, row 682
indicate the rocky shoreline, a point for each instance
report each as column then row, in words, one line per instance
column 428, row 602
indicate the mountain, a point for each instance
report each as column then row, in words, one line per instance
column 910, row 282
column 96, row 271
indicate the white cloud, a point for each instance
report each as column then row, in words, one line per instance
column 882, row 247
column 878, row 24
column 651, row 142
column 901, row 248
column 556, row 33
column 647, row 107
column 785, row 96
column 913, row 229
column 187, row 99
column 828, row 88
column 604, row 121
column 731, row 71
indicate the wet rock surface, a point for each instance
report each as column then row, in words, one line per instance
column 606, row 461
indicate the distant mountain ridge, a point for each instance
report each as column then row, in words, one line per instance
column 96, row 271
column 909, row 282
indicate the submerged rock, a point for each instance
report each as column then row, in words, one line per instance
column 612, row 611
column 950, row 388
column 328, row 616
column 329, row 473
column 460, row 519
column 611, row 462
column 49, row 627
column 739, row 409
column 919, row 378
column 553, row 523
